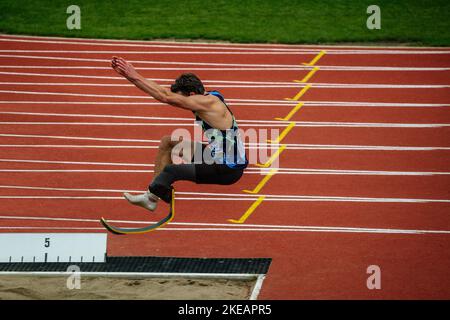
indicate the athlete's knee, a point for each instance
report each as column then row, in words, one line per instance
column 166, row 143
column 169, row 168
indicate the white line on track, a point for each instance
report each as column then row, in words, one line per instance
column 234, row 101
column 222, row 83
column 75, row 138
column 243, row 122
column 93, row 42
column 217, row 196
column 187, row 226
column 79, row 162
column 180, row 124
column 229, row 83
column 255, row 85
column 184, row 52
column 278, row 46
column 373, row 230
column 304, row 68
column 248, row 170
column 314, row 49
column 76, row 94
column 74, row 146
column 148, row 124
column 181, row 63
column 289, row 146
column 58, row 75
column 285, row 171
column 236, row 66
column 298, row 199
column 74, row 171
column 246, row 51
column 237, row 103
column 210, row 82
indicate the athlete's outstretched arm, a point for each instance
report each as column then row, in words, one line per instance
column 126, row 69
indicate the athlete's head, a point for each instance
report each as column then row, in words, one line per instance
column 188, row 84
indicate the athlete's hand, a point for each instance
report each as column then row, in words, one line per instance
column 124, row 68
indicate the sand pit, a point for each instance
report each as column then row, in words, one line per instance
column 103, row 288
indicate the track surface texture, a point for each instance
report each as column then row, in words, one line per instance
column 363, row 152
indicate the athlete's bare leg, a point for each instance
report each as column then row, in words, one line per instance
column 148, row 200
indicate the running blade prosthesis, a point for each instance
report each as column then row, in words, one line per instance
column 168, row 218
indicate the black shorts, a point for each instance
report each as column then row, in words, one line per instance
column 200, row 173
column 215, row 173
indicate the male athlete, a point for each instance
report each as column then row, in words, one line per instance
column 224, row 147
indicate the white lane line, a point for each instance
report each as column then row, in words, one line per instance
column 206, row 81
column 98, row 42
column 197, row 44
column 268, row 198
column 58, row 75
column 301, row 172
column 196, row 224
column 112, row 103
column 243, row 51
column 292, row 85
column 254, row 52
column 75, row 138
column 248, row 170
column 210, row 82
column 397, row 231
column 249, row 146
column 275, row 123
column 74, row 146
column 242, row 123
column 74, row 171
column 78, row 162
column 76, row 94
column 241, row 228
column 246, row 103
column 110, row 116
column 262, row 145
column 350, row 172
column 148, row 124
column 304, row 68
column 235, row 66
column 234, row 101
column 222, row 83
column 181, row 63
column 253, row 85
column 262, row 172
column 311, row 49
column 218, row 197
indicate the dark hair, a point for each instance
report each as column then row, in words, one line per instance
column 187, row 83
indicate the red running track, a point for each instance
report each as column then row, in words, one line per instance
column 363, row 180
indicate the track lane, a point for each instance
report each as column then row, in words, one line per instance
column 314, row 269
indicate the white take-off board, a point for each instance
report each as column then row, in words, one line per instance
column 52, row 247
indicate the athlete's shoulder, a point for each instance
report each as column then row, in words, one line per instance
column 217, row 94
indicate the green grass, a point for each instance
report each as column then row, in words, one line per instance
column 417, row 22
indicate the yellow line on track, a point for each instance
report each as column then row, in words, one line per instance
column 316, row 58
column 262, row 182
column 249, row 211
column 300, row 94
column 292, row 112
column 308, row 76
